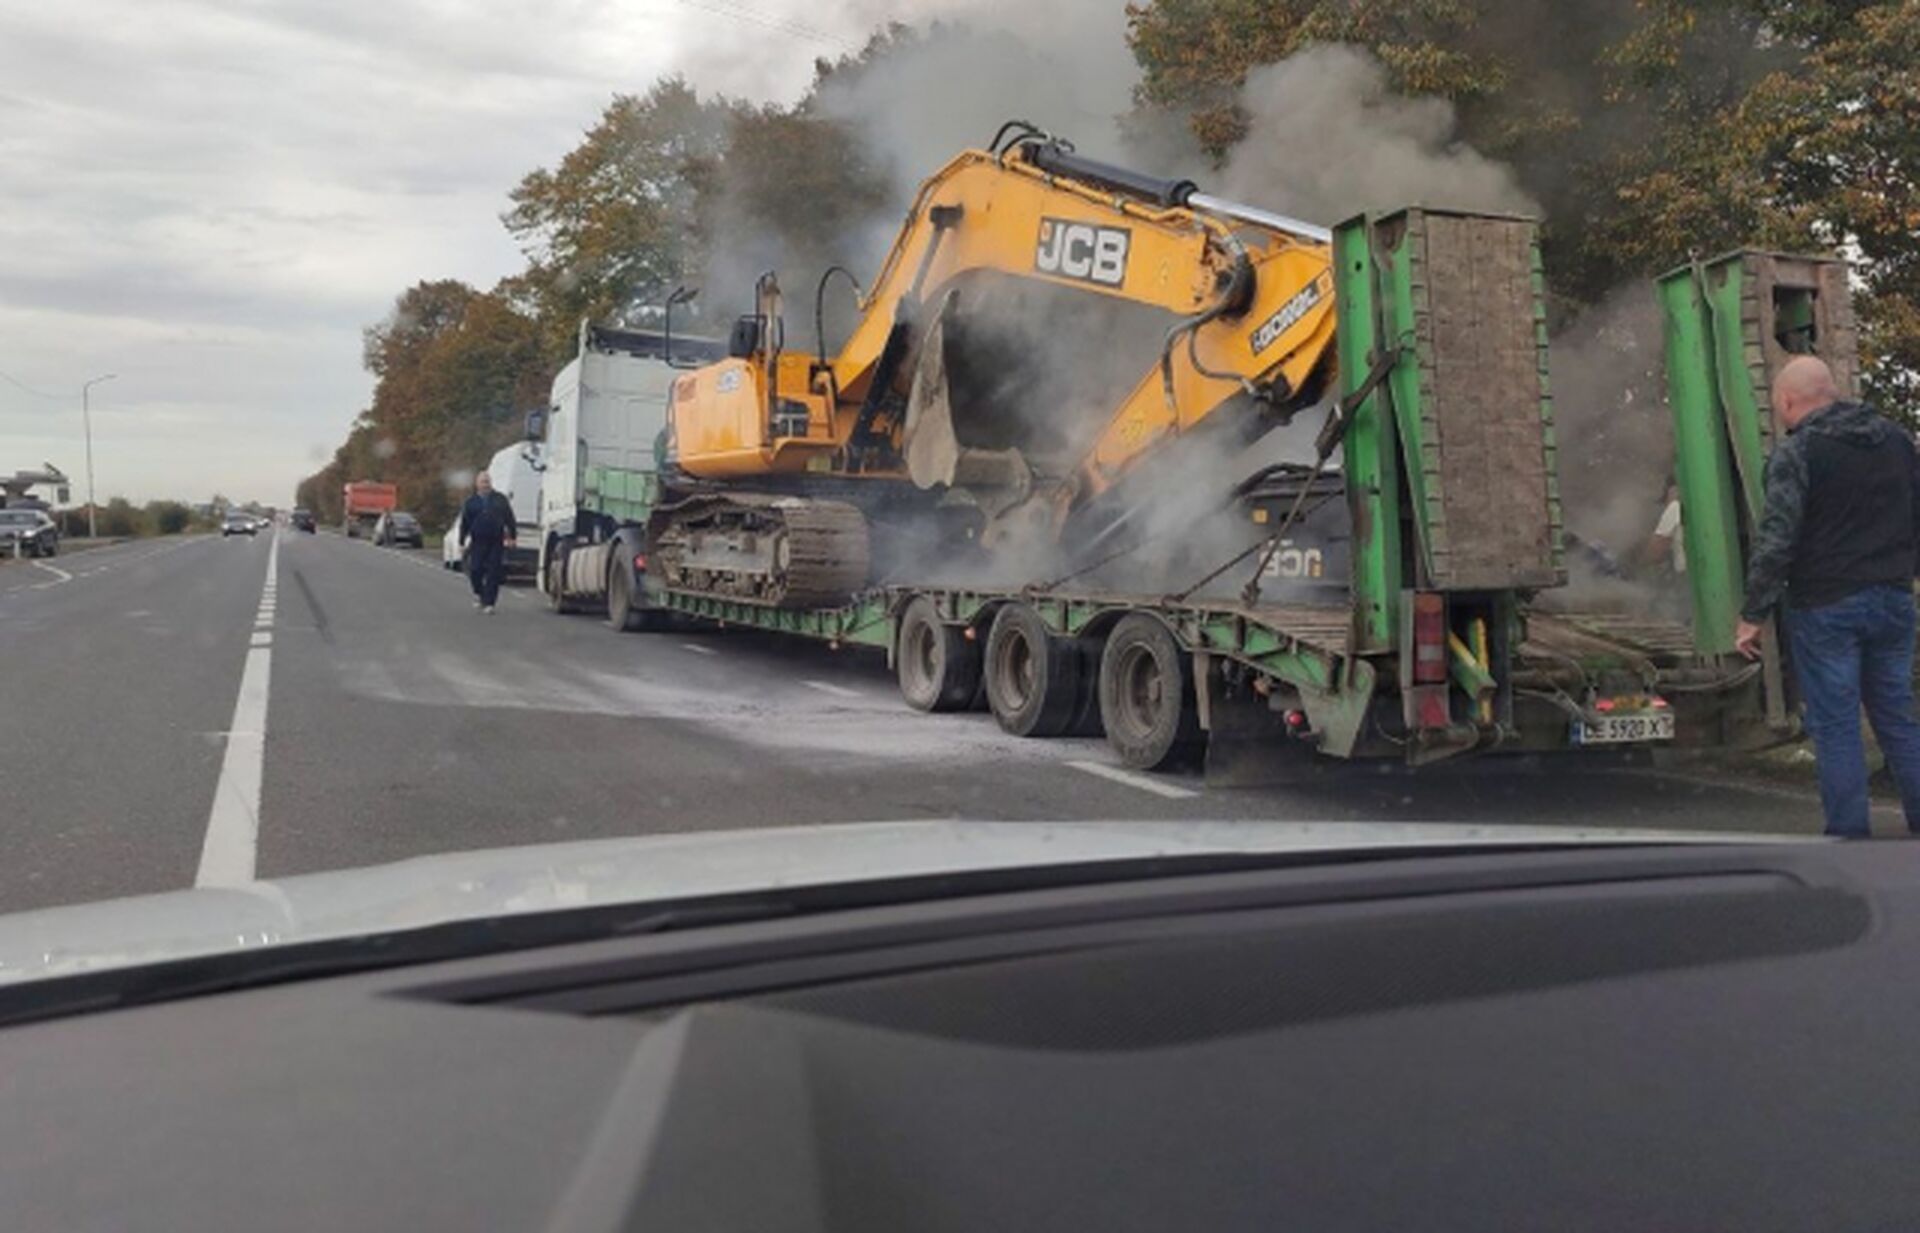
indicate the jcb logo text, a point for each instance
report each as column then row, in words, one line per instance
column 1083, row 251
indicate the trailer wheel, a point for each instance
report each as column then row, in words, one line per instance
column 1033, row 678
column 938, row 667
column 1086, row 707
column 1146, row 697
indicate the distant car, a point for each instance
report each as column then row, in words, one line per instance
column 399, row 528
column 302, row 520
column 238, row 523
column 28, row 532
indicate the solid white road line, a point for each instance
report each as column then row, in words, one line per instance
column 1142, row 782
column 838, row 691
column 228, row 854
column 697, row 649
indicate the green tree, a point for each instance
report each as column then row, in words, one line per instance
column 168, row 517
column 1822, row 153
column 610, row 227
column 118, row 518
column 454, row 370
column 1576, row 97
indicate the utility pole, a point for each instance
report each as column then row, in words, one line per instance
column 86, row 419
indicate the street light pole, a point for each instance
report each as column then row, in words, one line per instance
column 86, row 419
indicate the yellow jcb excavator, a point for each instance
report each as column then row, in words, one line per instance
column 788, row 469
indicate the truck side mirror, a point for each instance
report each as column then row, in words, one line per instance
column 746, row 337
column 536, row 424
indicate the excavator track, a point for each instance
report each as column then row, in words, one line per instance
column 781, row 551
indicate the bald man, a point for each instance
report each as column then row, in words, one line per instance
column 1838, row 542
column 488, row 530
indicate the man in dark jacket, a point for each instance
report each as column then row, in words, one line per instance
column 487, row 529
column 1838, row 539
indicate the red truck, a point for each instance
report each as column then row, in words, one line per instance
column 365, row 501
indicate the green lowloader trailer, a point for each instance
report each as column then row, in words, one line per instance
column 1442, row 453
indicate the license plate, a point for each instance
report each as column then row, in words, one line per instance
column 1625, row 729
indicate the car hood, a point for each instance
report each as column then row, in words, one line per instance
column 498, row 882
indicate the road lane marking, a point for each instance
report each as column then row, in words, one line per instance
column 1142, row 782
column 260, row 637
column 838, row 691
column 697, row 649
column 229, row 854
column 59, row 576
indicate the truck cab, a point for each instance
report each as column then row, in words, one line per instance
column 600, row 443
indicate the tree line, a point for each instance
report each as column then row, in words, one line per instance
column 1650, row 132
column 119, row 518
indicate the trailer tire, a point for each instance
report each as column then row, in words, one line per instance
column 1086, row 707
column 937, row 665
column 1146, row 697
column 1033, row 678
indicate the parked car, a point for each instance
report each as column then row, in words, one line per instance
column 237, row 523
column 399, row 528
column 28, row 532
column 453, row 554
column 302, row 520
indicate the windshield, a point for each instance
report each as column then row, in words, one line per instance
column 699, row 418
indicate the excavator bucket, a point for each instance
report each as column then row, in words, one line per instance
column 995, row 480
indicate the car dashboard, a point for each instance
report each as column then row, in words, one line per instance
column 1657, row 1037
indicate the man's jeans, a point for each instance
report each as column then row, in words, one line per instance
column 1859, row 650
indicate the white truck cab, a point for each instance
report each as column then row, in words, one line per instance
column 609, row 408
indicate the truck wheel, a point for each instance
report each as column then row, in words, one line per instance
column 1033, row 678
column 622, row 616
column 556, row 593
column 1146, row 697
column 938, row 667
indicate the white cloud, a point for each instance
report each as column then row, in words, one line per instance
column 211, row 199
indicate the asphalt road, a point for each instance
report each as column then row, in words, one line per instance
column 180, row 709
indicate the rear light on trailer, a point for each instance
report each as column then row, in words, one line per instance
column 1429, row 639
column 1431, row 710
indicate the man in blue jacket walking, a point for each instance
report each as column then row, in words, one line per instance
column 1838, row 541
column 487, row 529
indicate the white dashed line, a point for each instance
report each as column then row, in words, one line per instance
column 838, row 691
column 229, row 852
column 697, row 649
column 1143, row 782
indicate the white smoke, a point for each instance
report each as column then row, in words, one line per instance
column 1328, row 138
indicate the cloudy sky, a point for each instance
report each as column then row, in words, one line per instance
column 210, row 198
